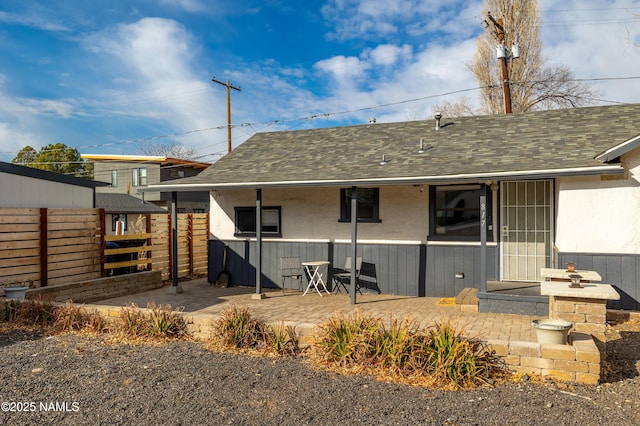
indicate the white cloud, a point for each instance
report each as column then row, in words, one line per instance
column 388, row 54
column 593, row 40
column 39, row 21
column 188, row 5
column 151, row 64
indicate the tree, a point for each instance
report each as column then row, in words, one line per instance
column 58, row 158
column 533, row 85
column 170, row 149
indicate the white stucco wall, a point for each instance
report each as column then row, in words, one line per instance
column 22, row 192
column 596, row 215
column 313, row 213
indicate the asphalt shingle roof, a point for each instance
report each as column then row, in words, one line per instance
column 493, row 144
column 124, row 203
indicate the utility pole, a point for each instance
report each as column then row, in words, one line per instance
column 229, row 86
column 505, row 71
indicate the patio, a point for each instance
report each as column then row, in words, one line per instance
column 203, row 300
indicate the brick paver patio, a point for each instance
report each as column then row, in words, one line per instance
column 200, row 298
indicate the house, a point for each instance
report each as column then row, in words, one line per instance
column 556, row 186
column 26, row 187
column 122, row 212
column 126, row 174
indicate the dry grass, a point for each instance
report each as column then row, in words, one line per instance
column 440, row 356
column 237, row 330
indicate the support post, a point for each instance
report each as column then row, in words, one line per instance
column 483, row 244
column 259, row 294
column 175, row 288
column 354, row 242
column 44, row 247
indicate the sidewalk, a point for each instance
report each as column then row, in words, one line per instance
column 203, row 300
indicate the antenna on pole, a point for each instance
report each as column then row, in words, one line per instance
column 228, row 86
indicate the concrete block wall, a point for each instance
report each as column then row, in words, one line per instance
column 101, row 288
column 578, row 362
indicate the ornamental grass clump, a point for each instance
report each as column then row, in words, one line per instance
column 236, row 329
column 439, row 356
column 30, row 312
column 282, row 339
column 165, row 322
column 70, row 317
column 159, row 322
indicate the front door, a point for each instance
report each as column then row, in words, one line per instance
column 526, row 226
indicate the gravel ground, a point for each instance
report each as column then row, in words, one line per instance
column 72, row 379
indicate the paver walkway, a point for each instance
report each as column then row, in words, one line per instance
column 201, row 298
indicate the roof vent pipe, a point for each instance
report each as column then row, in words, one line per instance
column 372, row 120
column 438, row 116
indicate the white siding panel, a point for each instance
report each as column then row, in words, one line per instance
column 312, row 214
column 22, row 191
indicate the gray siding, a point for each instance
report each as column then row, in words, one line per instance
column 620, row 270
column 410, row 270
column 443, row 262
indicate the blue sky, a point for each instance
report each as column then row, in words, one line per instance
column 106, row 76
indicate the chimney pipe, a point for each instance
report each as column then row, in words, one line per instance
column 438, row 116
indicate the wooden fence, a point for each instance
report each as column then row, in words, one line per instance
column 59, row 246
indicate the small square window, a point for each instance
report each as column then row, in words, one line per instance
column 114, row 178
column 368, row 202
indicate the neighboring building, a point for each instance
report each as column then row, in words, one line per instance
column 126, row 174
column 124, row 213
column 26, row 187
column 560, row 185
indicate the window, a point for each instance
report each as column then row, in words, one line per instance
column 139, row 177
column 368, row 200
column 455, row 212
column 122, row 218
column 246, row 221
column 114, row 178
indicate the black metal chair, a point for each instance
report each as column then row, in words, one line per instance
column 291, row 267
column 343, row 279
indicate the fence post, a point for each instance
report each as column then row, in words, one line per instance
column 190, row 242
column 170, row 247
column 149, row 243
column 103, row 243
column 44, row 247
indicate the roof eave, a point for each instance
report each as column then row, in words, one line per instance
column 459, row 178
column 619, row 150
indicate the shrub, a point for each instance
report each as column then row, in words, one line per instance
column 132, row 322
column 236, row 328
column 282, row 340
column 164, row 322
column 30, row 312
column 69, row 317
column 440, row 355
column 9, row 310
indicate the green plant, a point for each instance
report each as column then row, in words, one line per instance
column 238, row 329
column 440, row 355
column 345, row 340
column 9, row 310
column 282, row 339
column 164, row 322
column 132, row 321
column 69, row 317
